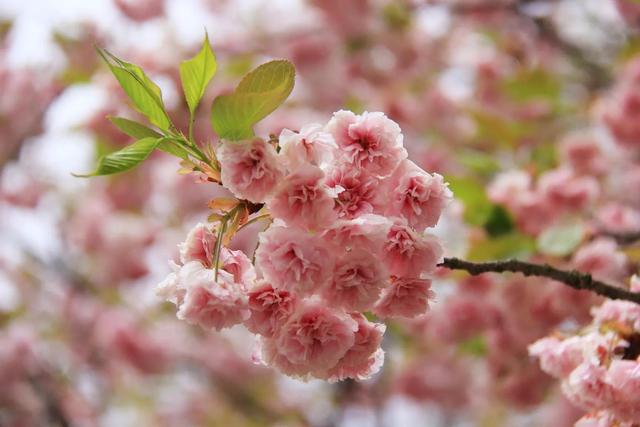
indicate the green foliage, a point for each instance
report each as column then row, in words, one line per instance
column 397, row 16
column 479, row 162
column 533, row 84
column 143, row 92
column 139, row 131
column 475, row 346
column 562, row 239
column 125, row 159
column 196, row 73
column 259, row 93
column 477, row 208
column 499, row 131
column 499, row 222
column 133, row 128
column 511, row 245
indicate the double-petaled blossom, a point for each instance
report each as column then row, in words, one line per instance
column 213, row 300
column 303, row 200
column 365, row 357
column 370, row 142
column 270, row 308
column 405, row 297
column 368, row 231
column 199, row 245
column 291, row 259
column 312, row 145
column 356, row 191
column 415, row 195
column 313, row 340
column 250, row 168
column 356, row 282
column 209, row 302
column 408, row 253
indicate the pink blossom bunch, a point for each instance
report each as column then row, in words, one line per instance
column 599, row 368
column 349, row 214
column 537, row 206
column 623, row 109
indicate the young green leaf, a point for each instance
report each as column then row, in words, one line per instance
column 133, row 128
column 125, row 159
column 196, row 73
column 143, row 92
column 259, row 93
column 170, row 146
column 562, row 239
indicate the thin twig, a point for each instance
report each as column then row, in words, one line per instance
column 623, row 238
column 572, row 278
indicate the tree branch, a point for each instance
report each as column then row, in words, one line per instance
column 623, row 238
column 572, row 278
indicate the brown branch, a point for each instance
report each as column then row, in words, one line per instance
column 572, row 278
column 623, row 238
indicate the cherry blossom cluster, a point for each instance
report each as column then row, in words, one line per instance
column 600, row 367
column 347, row 237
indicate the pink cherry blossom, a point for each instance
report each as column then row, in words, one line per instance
column 565, row 190
column 621, row 116
column 367, row 231
column 408, row 253
column 557, row 357
column 199, row 245
column 601, row 419
column 508, row 186
column 406, row 297
column 314, row 339
column 209, row 303
column 356, row 191
column 270, row 309
column 170, row 288
column 250, row 168
column 618, row 218
column 293, row 260
column 601, row 258
column 370, row 141
column 302, row 200
column 586, row 387
column 365, row 357
column 309, row 146
column 583, row 154
column 415, row 195
column 141, row 10
column 237, row 263
column 624, row 312
column 356, row 281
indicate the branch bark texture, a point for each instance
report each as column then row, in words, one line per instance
column 572, row 278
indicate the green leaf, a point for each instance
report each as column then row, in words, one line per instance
column 125, row 159
column 512, row 245
column 196, row 73
column 562, row 239
column 499, row 222
column 133, row 128
column 259, row 93
column 143, row 92
column 170, row 146
column 477, row 207
column 532, row 84
column 474, row 346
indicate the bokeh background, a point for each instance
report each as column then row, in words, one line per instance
column 479, row 87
